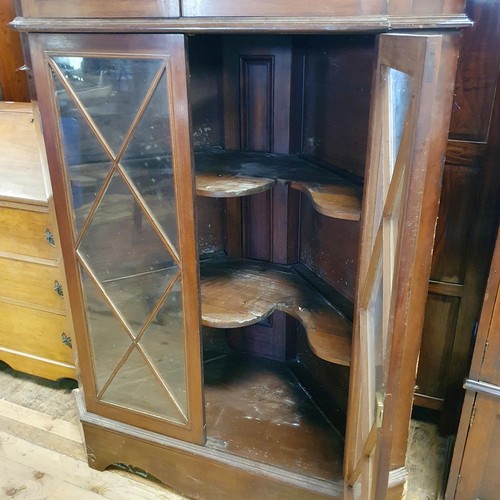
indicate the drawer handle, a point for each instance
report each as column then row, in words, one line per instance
column 66, row 340
column 58, row 288
column 50, row 237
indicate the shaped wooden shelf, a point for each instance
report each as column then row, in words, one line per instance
column 239, row 292
column 225, row 174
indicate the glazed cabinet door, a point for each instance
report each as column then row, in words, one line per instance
column 116, row 123
column 411, row 102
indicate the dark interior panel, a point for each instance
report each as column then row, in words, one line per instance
column 337, row 81
column 293, row 95
column 329, row 248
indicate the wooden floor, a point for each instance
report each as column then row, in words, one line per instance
column 42, row 454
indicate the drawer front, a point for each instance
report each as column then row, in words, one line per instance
column 34, row 332
column 52, row 370
column 23, row 232
column 31, row 282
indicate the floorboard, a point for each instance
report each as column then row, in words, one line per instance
column 427, row 461
column 42, row 455
column 36, row 471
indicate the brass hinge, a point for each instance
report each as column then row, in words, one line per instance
column 380, row 409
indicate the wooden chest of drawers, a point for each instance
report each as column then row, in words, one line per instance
column 35, row 333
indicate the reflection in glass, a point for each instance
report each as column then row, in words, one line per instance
column 136, row 387
column 117, row 149
column 379, row 306
column 110, row 89
column 108, row 338
column 394, row 221
column 377, row 338
column 164, row 344
column 400, row 95
column 87, row 167
column 111, row 92
column 137, row 295
column 126, row 254
column 148, row 162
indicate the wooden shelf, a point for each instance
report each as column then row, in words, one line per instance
column 223, row 174
column 239, row 292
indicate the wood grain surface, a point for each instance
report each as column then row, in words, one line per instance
column 230, row 173
column 20, row 172
column 237, row 293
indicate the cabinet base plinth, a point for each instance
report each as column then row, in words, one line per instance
column 192, row 470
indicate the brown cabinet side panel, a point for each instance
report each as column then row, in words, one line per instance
column 479, row 468
column 13, row 83
column 459, row 197
column 477, row 72
column 256, row 90
column 439, row 331
column 211, row 227
column 329, row 247
column 487, row 362
column 337, row 89
column 205, row 91
column 463, row 244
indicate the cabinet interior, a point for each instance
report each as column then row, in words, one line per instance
column 279, row 130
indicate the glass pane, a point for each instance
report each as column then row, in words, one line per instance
column 398, row 86
column 108, row 337
column 381, row 191
column 110, row 89
column 126, row 254
column 116, row 144
column 86, row 161
column 400, row 95
column 148, row 161
column 391, row 238
column 376, row 335
column 136, row 387
column 137, row 295
column 163, row 342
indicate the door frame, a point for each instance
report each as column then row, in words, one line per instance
column 172, row 49
column 431, row 60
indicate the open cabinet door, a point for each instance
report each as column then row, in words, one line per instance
column 116, row 124
column 408, row 131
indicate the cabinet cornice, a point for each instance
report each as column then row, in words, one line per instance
column 274, row 25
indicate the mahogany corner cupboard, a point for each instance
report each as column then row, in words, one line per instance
column 246, row 194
